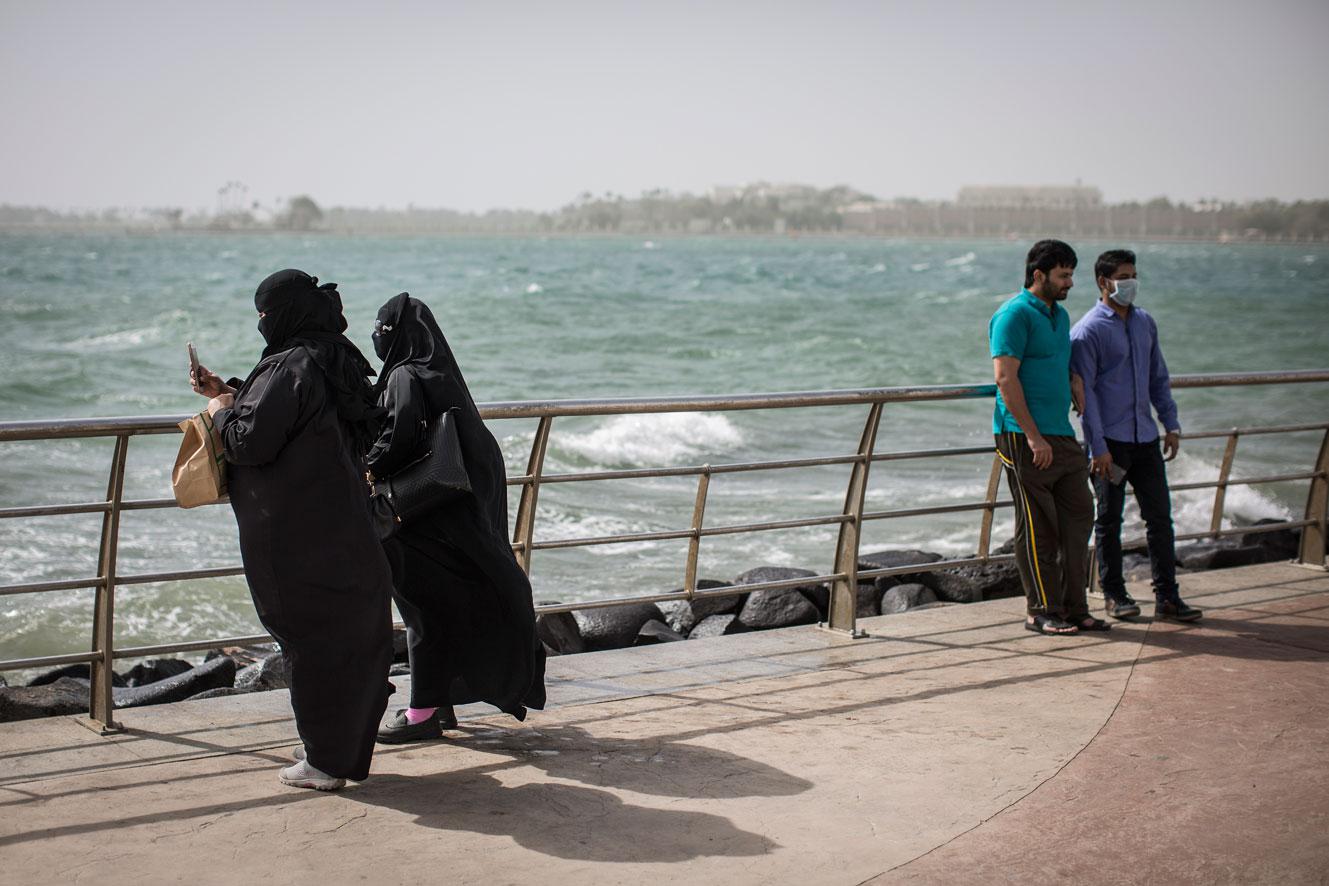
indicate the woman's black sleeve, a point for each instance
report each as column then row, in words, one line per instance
column 264, row 419
column 402, row 439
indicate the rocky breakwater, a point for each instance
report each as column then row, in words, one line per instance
column 232, row 671
column 728, row 609
column 725, row 609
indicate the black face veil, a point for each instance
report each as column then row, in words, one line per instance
column 297, row 311
column 405, row 331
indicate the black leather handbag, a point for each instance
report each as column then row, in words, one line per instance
column 434, row 479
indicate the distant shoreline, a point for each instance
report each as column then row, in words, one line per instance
column 857, row 236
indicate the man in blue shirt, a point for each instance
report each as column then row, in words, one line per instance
column 1115, row 351
column 1029, row 338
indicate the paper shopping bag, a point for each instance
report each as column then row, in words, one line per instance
column 199, row 476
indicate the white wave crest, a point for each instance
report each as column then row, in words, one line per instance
column 664, row 439
column 960, row 261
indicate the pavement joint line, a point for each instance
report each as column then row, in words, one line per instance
column 1071, row 759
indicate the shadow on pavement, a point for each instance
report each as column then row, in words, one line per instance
column 561, row 820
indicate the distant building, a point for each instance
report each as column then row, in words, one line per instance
column 1029, row 197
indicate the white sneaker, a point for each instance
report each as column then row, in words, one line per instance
column 302, row 775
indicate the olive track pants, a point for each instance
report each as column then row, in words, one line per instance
column 1054, row 515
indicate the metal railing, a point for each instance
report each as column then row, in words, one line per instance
column 843, row 577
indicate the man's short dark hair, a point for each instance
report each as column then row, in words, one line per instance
column 1109, row 261
column 1046, row 255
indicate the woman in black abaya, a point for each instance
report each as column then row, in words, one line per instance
column 470, row 622
column 294, row 435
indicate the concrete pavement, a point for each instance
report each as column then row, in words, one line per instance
column 950, row 746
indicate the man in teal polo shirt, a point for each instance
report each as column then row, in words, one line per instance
column 1046, row 469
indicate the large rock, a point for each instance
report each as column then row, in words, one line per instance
column 614, row 627
column 816, row 594
column 559, row 632
column 779, row 608
column 58, row 698
column 683, row 615
column 867, row 601
column 219, row 692
column 1280, row 544
column 894, row 560
column 80, row 671
column 219, row 672
column 971, row 584
column 264, row 675
column 155, row 669
column 1218, row 555
column 904, row 597
column 717, row 626
column 657, row 632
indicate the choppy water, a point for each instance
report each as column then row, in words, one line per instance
column 95, row 325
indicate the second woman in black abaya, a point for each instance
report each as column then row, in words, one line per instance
column 470, row 621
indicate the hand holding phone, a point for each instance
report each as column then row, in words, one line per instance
column 194, row 380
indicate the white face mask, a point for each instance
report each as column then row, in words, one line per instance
column 1124, row 293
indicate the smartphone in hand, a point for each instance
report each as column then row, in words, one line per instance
column 193, row 365
column 1116, row 474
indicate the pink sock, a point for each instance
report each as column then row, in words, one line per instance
column 419, row 715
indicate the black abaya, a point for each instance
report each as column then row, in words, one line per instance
column 465, row 600
column 315, row 568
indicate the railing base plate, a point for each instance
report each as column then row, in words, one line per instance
column 112, row 728
column 855, row 634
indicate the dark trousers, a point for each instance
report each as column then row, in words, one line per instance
column 1147, row 474
column 1054, row 513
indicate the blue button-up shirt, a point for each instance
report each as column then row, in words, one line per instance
column 1123, row 371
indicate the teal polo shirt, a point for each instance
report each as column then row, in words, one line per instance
column 1040, row 338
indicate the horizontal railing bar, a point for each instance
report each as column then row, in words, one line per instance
column 671, row 534
column 936, row 509
column 42, row 587
column 932, row 453
column 1244, row 481
column 46, row 661
column 166, row 424
column 724, row 591
column 191, row 646
column 933, row 567
column 1250, row 432
column 147, row 504
column 91, row 507
column 671, row 596
column 662, row 535
column 145, row 578
column 737, row 528
column 694, row 470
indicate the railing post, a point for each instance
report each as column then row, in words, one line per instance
column 530, row 494
column 842, row 614
column 1314, row 534
column 694, row 543
column 1220, row 491
column 985, row 528
column 101, row 704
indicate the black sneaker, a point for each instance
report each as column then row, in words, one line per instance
column 399, row 730
column 1176, row 609
column 1121, row 605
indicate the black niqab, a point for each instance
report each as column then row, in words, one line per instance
column 298, row 312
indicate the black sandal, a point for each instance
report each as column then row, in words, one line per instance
column 1055, row 627
column 1093, row 624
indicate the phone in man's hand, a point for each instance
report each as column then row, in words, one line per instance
column 1116, row 474
column 193, row 364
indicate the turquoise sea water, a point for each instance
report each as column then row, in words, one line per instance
column 95, row 325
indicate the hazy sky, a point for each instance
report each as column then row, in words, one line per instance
column 486, row 104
